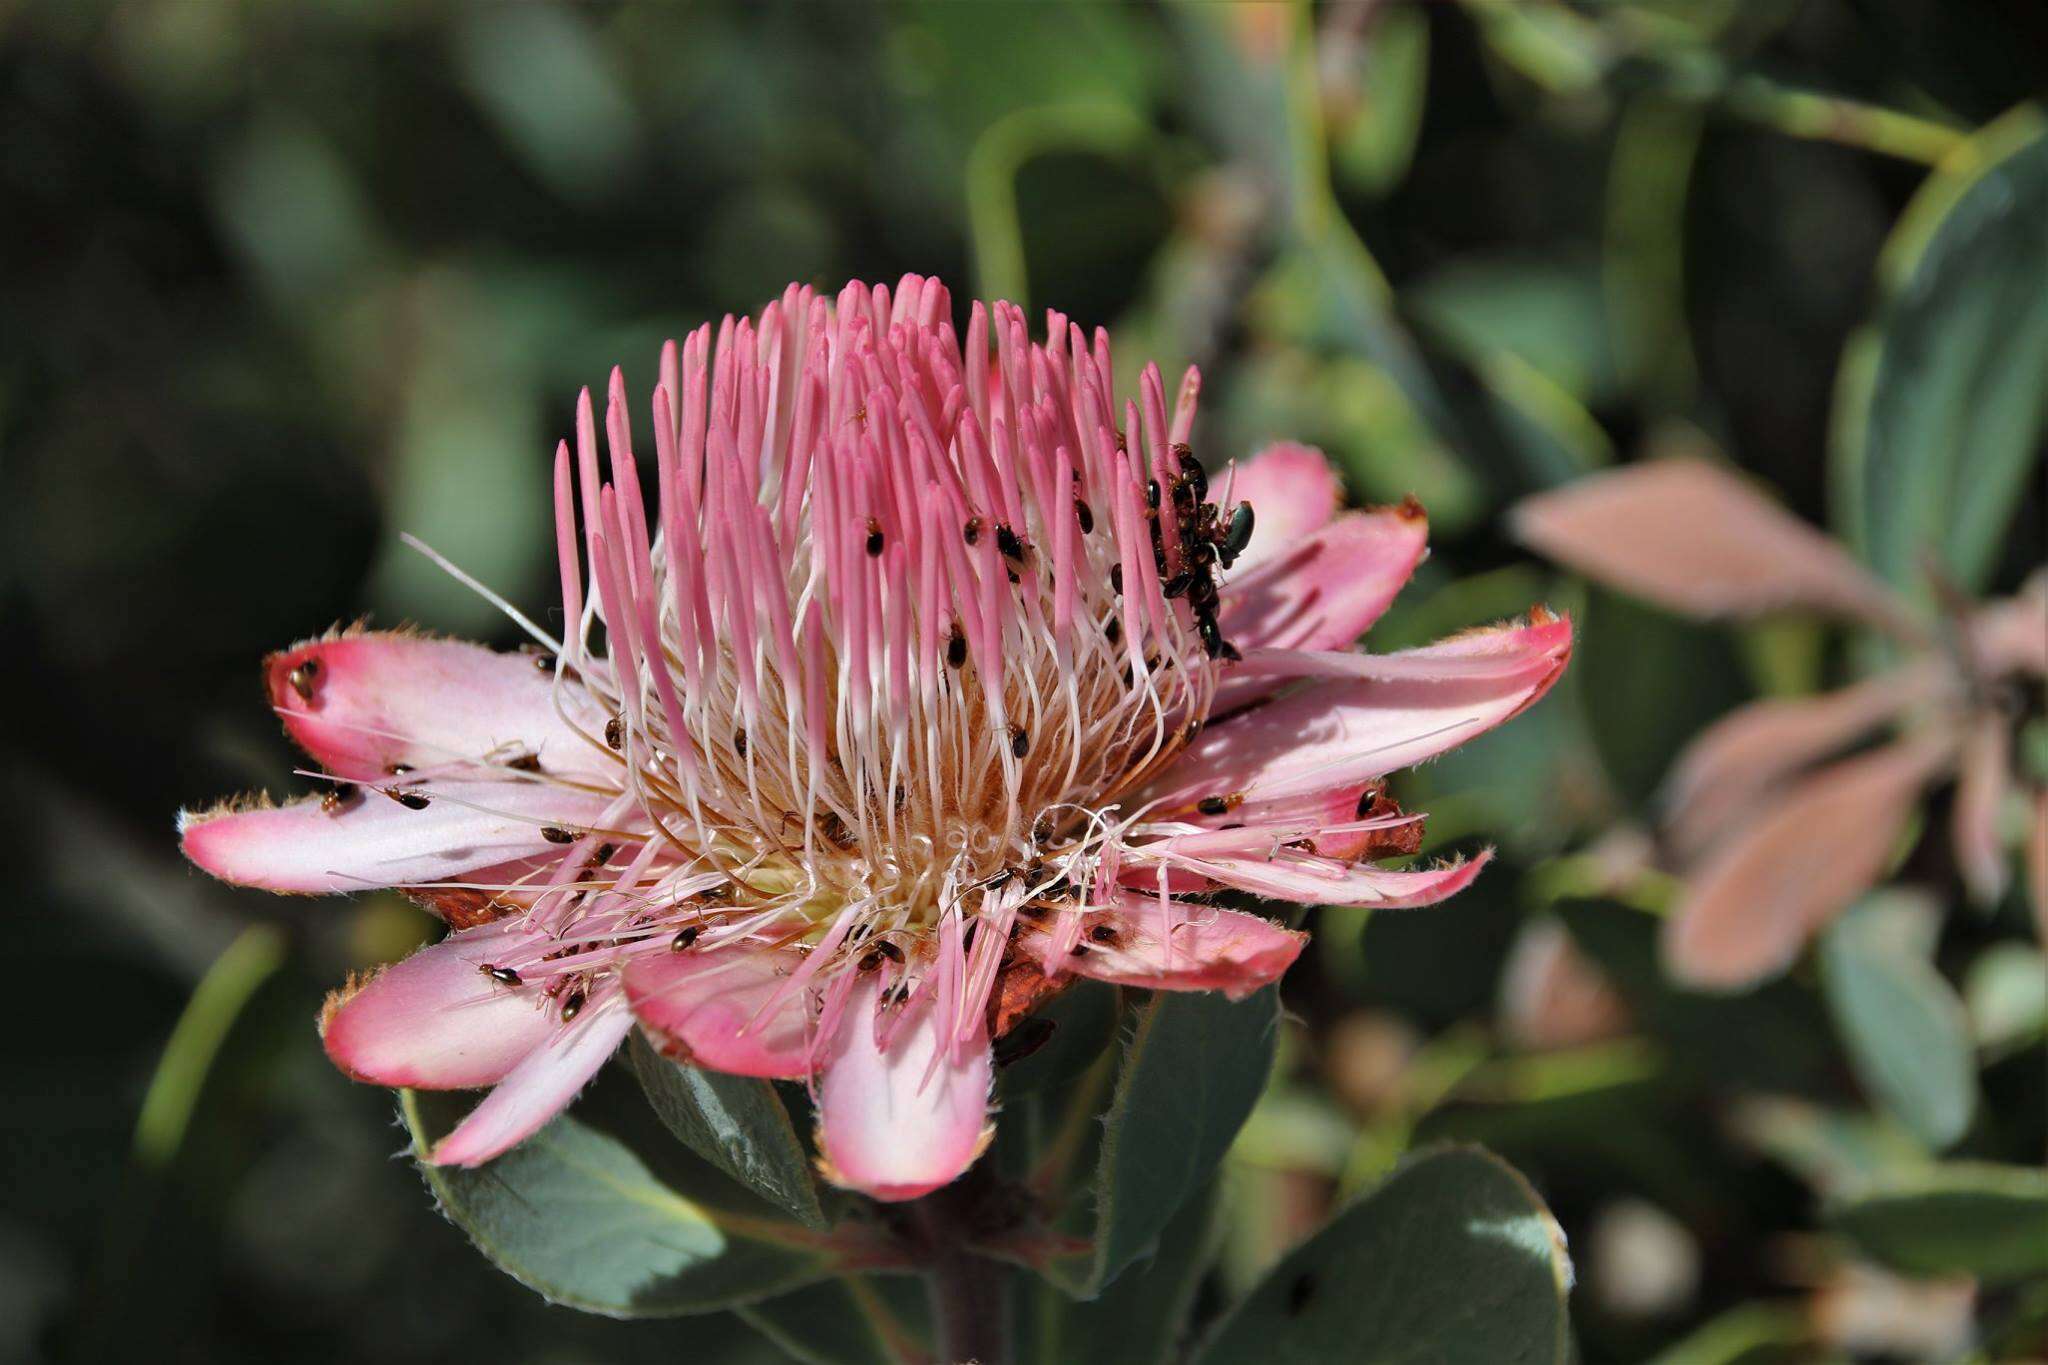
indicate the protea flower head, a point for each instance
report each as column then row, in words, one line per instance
column 933, row 678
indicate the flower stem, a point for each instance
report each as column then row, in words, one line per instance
column 969, row 1293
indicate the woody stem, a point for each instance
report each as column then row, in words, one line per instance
column 968, row 1292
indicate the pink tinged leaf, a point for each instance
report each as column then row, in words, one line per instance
column 1552, row 996
column 360, row 704
column 1694, row 537
column 375, row 841
column 1205, row 949
column 718, row 1008
column 900, row 1122
column 1757, row 748
column 1758, row 898
column 539, row 1088
column 1985, row 779
column 1334, row 734
column 1293, row 492
column 2012, row 636
column 438, row 1020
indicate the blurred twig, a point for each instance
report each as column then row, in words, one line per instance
column 1002, row 150
column 1831, row 118
column 201, row 1029
column 1566, row 52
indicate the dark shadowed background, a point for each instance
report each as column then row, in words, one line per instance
column 282, row 281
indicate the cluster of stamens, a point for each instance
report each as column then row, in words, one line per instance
column 903, row 626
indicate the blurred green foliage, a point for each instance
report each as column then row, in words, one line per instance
column 286, row 280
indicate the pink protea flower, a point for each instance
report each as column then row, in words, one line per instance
column 932, row 681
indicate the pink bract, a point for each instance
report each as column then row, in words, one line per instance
column 926, row 664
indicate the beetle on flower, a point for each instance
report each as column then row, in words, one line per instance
column 933, row 680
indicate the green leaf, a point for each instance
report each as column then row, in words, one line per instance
column 2006, row 994
column 1958, row 1218
column 1532, row 338
column 576, row 1216
column 1187, row 1080
column 1838, row 1153
column 1906, row 1032
column 1546, row 42
column 736, row 1123
column 1649, row 178
column 989, row 61
column 541, row 75
column 1141, row 1318
column 1940, row 410
column 1540, row 425
column 1358, row 413
column 1629, row 650
column 1547, row 313
column 1373, row 143
column 1454, row 1258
